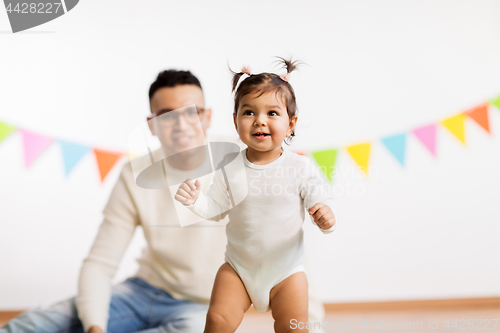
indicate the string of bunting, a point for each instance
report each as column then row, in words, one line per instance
column 34, row 144
column 396, row 143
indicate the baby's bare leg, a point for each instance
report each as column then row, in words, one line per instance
column 289, row 300
column 228, row 303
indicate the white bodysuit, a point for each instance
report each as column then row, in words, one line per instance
column 265, row 236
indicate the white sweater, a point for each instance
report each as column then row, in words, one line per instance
column 175, row 258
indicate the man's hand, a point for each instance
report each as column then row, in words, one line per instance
column 95, row 329
column 322, row 215
column 188, row 192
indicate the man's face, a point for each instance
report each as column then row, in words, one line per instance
column 180, row 135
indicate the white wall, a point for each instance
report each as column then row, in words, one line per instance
column 375, row 68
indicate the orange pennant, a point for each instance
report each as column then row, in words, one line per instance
column 105, row 161
column 480, row 115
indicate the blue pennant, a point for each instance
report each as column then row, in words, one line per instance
column 72, row 153
column 396, row 145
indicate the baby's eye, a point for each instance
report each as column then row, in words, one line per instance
column 248, row 112
column 273, row 113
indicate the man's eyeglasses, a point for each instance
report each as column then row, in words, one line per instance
column 168, row 117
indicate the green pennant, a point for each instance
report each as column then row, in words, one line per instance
column 326, row 161
column 5, row 130
column 496, row 102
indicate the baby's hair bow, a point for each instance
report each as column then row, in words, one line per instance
column 285, row 77
column 246, row 70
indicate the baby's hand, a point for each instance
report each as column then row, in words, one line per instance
column 188, row 192
column 323, row 215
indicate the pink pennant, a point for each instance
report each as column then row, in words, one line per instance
column 427, row 135
column 34, row 144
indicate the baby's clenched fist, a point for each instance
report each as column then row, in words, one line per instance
column 322, row 215
column 188, row 192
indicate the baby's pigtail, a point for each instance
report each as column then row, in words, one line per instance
column 236, row 76
column 236, row 79
column 289, row 65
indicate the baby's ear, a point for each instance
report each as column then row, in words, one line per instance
column 293, row 122
column 234, row 120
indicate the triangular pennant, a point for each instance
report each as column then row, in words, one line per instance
column 480, row 115
column 5, row 130
column 105, row 161
column 360, row 153
column 455, row 125
column 496, row 102
column 34, row 144
column 427, row 135
column 326, row 161
column 396, row 145
column 72, row 153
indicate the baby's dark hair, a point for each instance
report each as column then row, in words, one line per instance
column 265, row 82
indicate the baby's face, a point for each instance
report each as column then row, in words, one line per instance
column 262, row 122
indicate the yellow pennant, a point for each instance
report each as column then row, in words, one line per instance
column 455, row 125
column 360, row 154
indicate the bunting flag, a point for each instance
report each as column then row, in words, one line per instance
column 360, row 153
column 326, row 161
column 480, row 115
column 455, row 125
column 496, row 102
column 105, row 161
column 427, row 135
column 34, row 145
column 72, row 153
column 396, row 145
column 6, row 130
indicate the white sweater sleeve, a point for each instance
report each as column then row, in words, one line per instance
column 216, row 203
column 313, row 190
column 114, row 235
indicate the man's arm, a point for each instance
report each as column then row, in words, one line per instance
column 98, row 269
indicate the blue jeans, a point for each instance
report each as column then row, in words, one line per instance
column 135, row 306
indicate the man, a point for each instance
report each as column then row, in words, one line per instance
column 171, row 289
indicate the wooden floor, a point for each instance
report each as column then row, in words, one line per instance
column 467, row 319
column 408, row 320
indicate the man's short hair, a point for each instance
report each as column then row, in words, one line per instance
column 172, row 78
